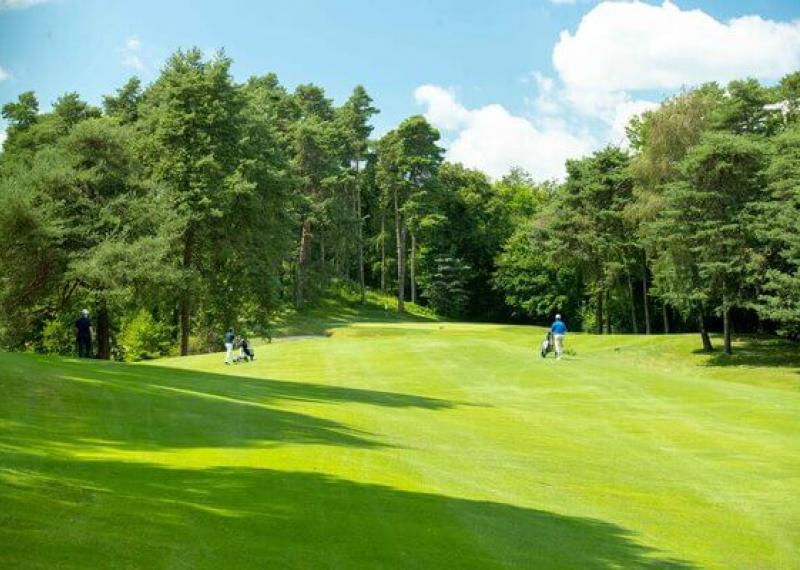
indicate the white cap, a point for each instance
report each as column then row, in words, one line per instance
column 85, row 312
column 558, row 317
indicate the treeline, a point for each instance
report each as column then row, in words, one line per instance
column 196, row 203
column 698, row 222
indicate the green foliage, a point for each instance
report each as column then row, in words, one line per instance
column 464, row 216
column 143, row 337
column 209, row 203
column 23, row 113
column 58, row 337
column 586, row 317
column 32, row 263
column 71, row 110
column 707, row 244
column 776, row 222
column 534, row 284
column 124, row 105
column 521, row 196
column 353, row 120
column 406, row 171
column 445, row 284
column 743, row 109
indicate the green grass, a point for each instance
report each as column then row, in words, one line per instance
column 341, row 306
column 406, row 445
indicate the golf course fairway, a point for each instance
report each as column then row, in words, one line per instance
column 406, row 445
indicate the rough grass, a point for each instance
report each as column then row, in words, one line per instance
column 406, row 445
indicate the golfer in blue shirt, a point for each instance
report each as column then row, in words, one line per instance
column 559, row 330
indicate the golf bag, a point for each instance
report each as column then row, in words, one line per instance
column 548, row 344
column 246, row 353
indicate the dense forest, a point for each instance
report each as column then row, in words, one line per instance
column 196, row 203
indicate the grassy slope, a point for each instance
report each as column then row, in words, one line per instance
column 343, row 308
column 406, row 445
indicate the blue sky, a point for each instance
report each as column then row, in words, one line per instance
column 483, row 72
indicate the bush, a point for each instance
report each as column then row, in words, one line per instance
column 58, row 337
column 587, row 317
column 205, row 339
column 144, row 338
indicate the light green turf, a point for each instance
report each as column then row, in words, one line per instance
column 426, row 445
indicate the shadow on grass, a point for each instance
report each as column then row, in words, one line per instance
column 151, row 407
column 83, row 514
column 326, row 314
column 61, row 510
column 756, row 351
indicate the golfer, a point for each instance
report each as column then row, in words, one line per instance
column 229, row 337
column 83, row 333
column 559, row 330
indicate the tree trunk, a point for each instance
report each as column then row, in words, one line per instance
column 383, row 252
column 322, row 261
column 400, row 230
column 413, row 266
column 634, row 320
column 608, row 313
column 598, row 313
column 103, row 332
column 302, row 255
column 186, row 299
column 727, row 329
column 701, row 324
column 645, row 300
column 665, row 314
column 360, row 238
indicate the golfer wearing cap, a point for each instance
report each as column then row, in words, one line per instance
column 83, row 330
column 559, row 330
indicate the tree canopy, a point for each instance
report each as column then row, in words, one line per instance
column 182, row 207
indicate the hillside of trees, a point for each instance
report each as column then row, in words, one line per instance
column 196, row 203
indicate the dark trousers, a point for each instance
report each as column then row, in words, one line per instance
column 84, row 347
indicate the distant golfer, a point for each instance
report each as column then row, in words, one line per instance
column 559, row 330
column 83, row 333
column 229, row 338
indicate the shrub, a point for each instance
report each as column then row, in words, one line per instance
column 587, row 317
column 205, row 339
column 144, row 338
column 58, row 337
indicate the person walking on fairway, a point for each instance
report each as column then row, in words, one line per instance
column 559, row 330
column 83, row 333
column 229, row 338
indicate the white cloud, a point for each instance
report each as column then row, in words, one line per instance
column 4, row 74
column 622, row 48
column 547, row 101
column 131, row 55
column 19, row 4
column 630, row 45
column 443, row 110
column 622, row 52
column 493, row 140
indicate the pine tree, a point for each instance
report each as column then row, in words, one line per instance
column 192, row 118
